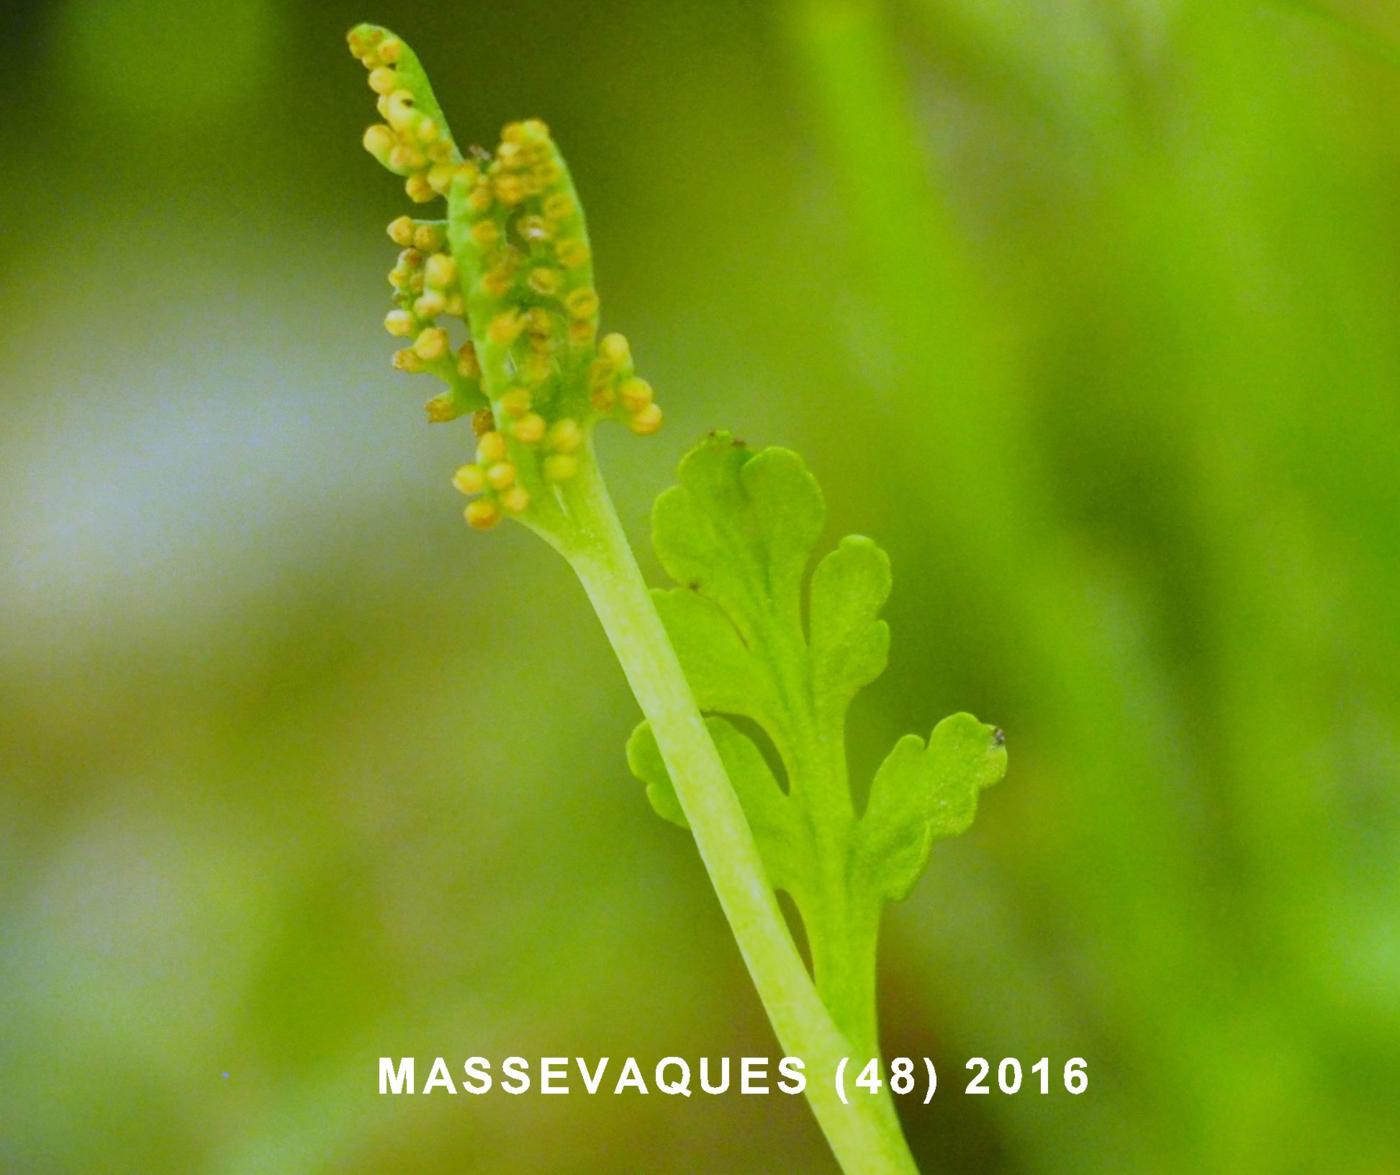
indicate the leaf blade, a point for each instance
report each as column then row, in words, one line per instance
column 922, row 793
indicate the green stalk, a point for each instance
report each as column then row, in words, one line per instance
column 864, row 1135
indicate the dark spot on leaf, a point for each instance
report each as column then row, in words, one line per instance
column 739, row 443
column 694, row 585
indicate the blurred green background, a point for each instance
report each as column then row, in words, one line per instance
column 1087, row 311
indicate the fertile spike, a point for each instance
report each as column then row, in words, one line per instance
column 513, row 260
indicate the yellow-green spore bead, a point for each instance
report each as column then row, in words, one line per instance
column 614, row 349
column 440, row 176
column 443, row 407
column 634, row 394
column 645, row 422
column 505, row 328
column 516, row 500
column 399, row 323
column 546, row 173
column 565, row 436
column 405, row 158
column 545, row 281
column 491, row 448
column 559, row 207
column 429, row 238
column 364, row 40
column 501, row 475
column 560, row 467
column 399, row 111
column 581, row 303
column 537, row 366
column 572, row 253
column 530, row 429
column 516, row 402
column 440, row 271
column 430, row 304
column 379, row 141
column 480, row 200
column 497, row 284
column 509, row 189
column 601, row 373
column 470, row 479
column 419, row 190
column 431, row 344
column 482, row 514
column 484, row 234
column 468, row 365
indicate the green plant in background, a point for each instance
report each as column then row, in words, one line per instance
column 734, row 639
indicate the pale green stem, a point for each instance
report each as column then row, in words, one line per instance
column 865, row 1135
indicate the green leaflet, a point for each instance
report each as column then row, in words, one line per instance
column 849, row 644
column 922, row 793
column 737, row 534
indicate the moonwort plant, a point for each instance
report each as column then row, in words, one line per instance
column 743, row 635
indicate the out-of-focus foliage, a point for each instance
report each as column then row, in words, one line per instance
column 1085, row 311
